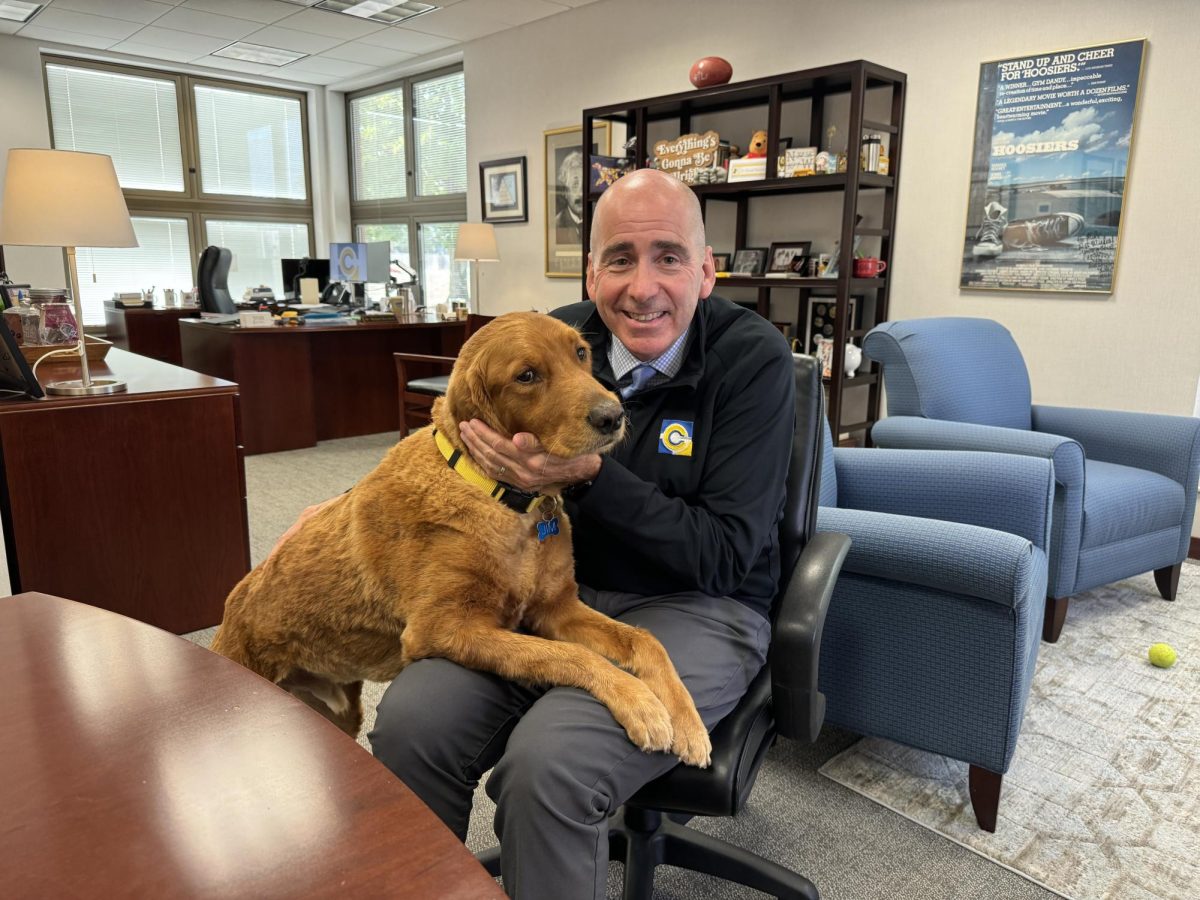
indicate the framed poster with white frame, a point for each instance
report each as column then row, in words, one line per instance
column 503, row 191
column 565, row 182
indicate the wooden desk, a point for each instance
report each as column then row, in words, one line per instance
column 134, row 502
column 137, row 764
column 152, row 332
column 306, row 384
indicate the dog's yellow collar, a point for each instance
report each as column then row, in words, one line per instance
column 520, row 501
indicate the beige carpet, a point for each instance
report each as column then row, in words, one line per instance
column 1103, row 796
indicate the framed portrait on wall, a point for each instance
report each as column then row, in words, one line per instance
column 565, row 181
column 502, row 190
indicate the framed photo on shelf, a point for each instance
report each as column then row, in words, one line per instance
column 784, row 253
column 566, row 179
column 503, row 191
column 721, row 262
column 821, row 320
column 751, row 261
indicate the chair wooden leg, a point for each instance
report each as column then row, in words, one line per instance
column 1056, row 614
column 984, row 786
column 1168, row 580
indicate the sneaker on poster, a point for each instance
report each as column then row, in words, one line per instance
column 1044, row 231
column 989, row 240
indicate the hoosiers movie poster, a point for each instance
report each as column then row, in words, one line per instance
column 1053, row 135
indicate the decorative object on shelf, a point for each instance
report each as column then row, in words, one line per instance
column 853, row 359
column 68, row 199
column 710, row 71
column 687, row 154
column 503, row 191
column 823, row 164
column 1029, row 227
column 758, row 146
column 565, row 180
column 747, row 169
column 721, row 262
column 605, row 170
column 784, row 253
column 750, row 261
column 476, row 243
column 872, row 149
column 715, row 175
column 799, row 162
column 869, row 267
column 821, row 321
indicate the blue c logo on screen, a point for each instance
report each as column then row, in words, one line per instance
column 349, row 261
column 675, row 437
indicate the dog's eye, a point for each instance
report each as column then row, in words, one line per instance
column 581, row 352
column 527, row 376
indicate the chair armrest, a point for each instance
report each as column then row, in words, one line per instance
column 916, row 433
column 1002, row 491
column 403, row 359
column 1168, row 445
column 795, row 651
column 946, row 556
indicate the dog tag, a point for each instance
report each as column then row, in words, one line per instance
column 547, row 528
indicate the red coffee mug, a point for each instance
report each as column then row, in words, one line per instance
column 868, row 267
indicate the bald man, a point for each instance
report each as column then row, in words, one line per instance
column 675, row 531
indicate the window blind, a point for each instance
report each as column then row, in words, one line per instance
column 257, row 250
column 132, row 118
column 440, row 133
column 397, row 236
column 163, row 258
column 443, row 277
column 377, row 134
column 251, row 145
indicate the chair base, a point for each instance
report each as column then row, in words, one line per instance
column 1056, row 614
column 984, row 787
column 1167, row 580
column 643, row 839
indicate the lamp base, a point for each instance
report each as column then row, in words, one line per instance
column 77, row 388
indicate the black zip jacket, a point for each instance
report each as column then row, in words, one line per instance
column 655, row 522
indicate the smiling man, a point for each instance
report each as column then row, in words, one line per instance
column 675, row 531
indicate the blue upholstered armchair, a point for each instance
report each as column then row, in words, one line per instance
column 932, row 634
column 1126, row 481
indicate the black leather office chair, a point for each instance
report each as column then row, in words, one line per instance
column 650, row 829
column 212, row 276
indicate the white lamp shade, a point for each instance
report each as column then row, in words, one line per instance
column 476, row 241
column 63, row 198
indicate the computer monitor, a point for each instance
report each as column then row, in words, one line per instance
column 364, row 261
column 303, row 268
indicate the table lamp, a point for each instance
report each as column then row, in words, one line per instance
column 63, row 198
column 476, row 244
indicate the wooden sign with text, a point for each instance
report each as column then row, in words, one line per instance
column 687, row 154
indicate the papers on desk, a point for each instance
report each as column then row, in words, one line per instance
column 220, row 318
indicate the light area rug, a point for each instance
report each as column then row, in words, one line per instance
column 1102, row 799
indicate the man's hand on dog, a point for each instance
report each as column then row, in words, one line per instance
column 522, row 461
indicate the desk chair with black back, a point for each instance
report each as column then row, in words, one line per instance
column 212, row 276
column 650, row 830
column 418, row 393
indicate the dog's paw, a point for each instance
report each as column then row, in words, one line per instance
column 647, row 723
column 691, row 742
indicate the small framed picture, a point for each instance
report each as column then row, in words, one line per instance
column 503, row 190
column 783, row 253
column 721, row 262
column 750, row 261
column 821, row 321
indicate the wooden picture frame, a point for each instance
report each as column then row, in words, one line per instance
column 565, row 177
column 784, row 252
column 503, row 190
column 721, row 262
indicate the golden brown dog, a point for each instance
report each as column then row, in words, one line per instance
column 416, row 561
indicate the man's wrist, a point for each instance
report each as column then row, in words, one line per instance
column 577, row 489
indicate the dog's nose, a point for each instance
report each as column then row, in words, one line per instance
column 606, row 417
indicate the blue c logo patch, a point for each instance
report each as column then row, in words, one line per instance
column 675, row 437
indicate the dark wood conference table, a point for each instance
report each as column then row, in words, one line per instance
column 304, row 384
column 138, row 764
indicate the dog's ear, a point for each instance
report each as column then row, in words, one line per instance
column 467, row 396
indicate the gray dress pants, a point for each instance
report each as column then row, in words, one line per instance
column 562, row 763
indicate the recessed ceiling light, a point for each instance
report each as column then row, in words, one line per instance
column 18, row 11
column 386, row 12
column 255, row 53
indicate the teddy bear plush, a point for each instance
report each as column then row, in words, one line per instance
column 758, row 146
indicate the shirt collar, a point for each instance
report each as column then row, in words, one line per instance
column 623, row 362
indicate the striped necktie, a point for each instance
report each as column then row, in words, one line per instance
column 641, row 377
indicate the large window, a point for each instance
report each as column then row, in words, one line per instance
column 200, row 161
column 409, row 176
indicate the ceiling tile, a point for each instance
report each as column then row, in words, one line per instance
column 195, row 21
column 575, row 3
column 264, row 11
column 514, row 12
column 355, row 51
column 7, row 27
column 461, row 22
column 39, row 33
column 324, row 66
column 236, row 65
column 141, row 11
column 150, row 51
column 287, row 39
column 400, row 38
column 83, row 23
column 322, row 21
column 198, row 44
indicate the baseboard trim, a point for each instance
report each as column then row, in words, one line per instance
column 1194, row 549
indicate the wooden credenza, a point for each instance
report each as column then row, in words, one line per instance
column 152, row 331
column 304, row 384
column 134, row 502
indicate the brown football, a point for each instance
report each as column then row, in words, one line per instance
column 710, row 71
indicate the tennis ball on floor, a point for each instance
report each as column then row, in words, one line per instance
column 1162, row 655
